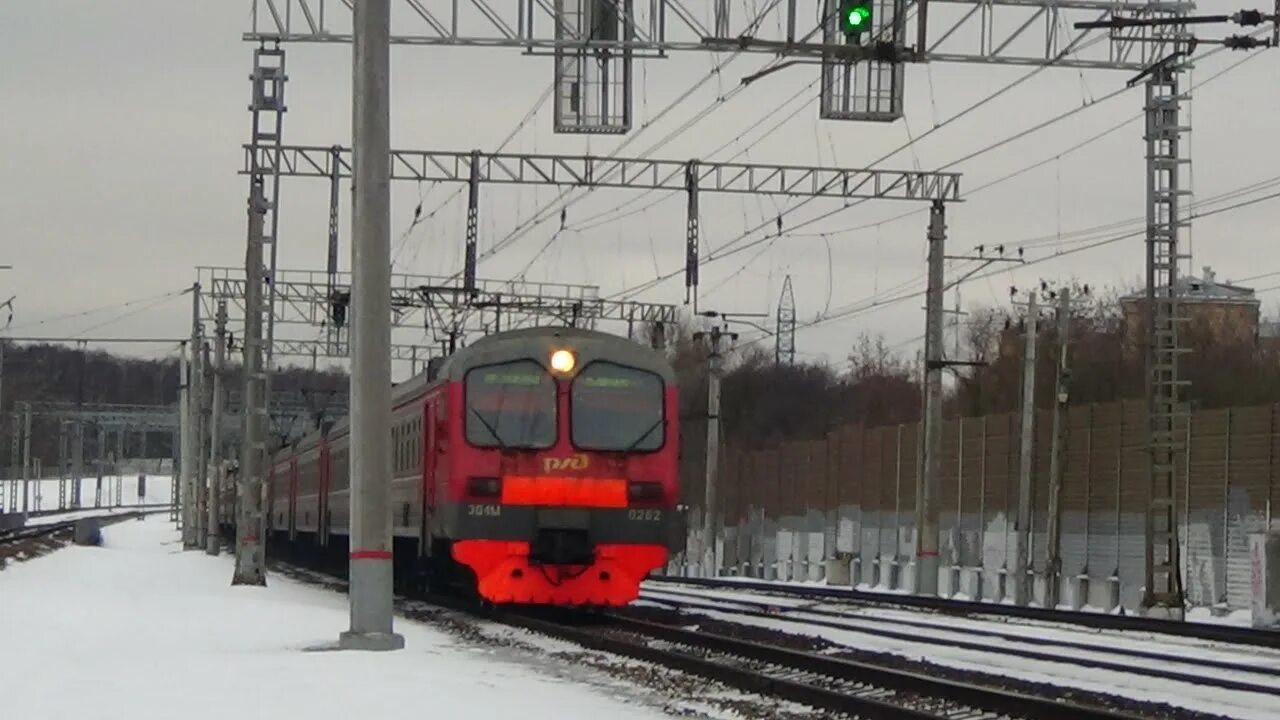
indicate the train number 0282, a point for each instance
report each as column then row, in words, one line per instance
column 484, row 510
column 647, row 515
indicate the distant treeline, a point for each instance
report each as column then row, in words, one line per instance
column 763, row 403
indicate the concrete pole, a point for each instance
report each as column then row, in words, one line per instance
column 77, row 461
column 1060, row 396
column 119, row 472
column 927, row 561
column 102, row 462
column 370, row 553
column 204, row 447
column 215, row 430
column 1022, row 527
column 186, row 453
column 62, row 463
column 26, row 460
column 15, row 464
column 13, row 461
column 711, row 519
column 195, row 407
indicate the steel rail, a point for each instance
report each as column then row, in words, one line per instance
column 13, row 535
column 867, row 626
column 835, row 685
column 861, row 689
column 1101, row 621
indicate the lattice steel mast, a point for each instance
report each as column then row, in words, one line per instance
column 784, row 351
column 1165, row 161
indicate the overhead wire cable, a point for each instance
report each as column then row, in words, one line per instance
column 102, row 308
column 746, row 234
column 861, row 307
column 732, row 247
column 1027, row 168
column 542, row 216
column 420, row 217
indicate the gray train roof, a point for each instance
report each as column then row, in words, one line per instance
column 538, row 343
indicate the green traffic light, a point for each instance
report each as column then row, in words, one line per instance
column 857, row 17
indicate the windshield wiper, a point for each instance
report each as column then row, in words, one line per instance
column 645, row 435
column 492, row 431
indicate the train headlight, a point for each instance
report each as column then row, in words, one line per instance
column 563, row 361
column 485, row 487
column 641, row 491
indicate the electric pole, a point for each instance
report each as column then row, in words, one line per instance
column 1061, row 396
column 186, row 453
column 250, row 562
column 101, row 463
column 1163, row 594
column 929, row 452
column 77, row 460
column 711, row 520
column 12, row 461
column 370, row 554
column 1022, row 527
column 215, row 430
column 195, row 405
column 926, row 511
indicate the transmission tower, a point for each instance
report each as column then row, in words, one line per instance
column 784, row 352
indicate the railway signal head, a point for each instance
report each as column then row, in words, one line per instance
column 855, row 16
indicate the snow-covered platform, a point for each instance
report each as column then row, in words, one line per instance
column 139, row 629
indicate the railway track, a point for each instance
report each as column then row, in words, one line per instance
column 1243, row 676
column 830, row 685
column 1098, row 621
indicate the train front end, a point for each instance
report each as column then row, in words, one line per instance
column 565, row 483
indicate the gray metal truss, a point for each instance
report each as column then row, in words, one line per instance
column 425, row 303
column 1014, row 32
column 291, row 413
column 135, row 418
column 630, row 173
column 1040, row 32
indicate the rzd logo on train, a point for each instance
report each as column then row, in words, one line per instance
column 573, row 462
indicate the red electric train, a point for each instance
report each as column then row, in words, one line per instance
column 535, row 466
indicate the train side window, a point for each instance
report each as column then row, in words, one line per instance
column 417, row 443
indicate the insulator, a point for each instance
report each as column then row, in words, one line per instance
column 1248, row 17
column 1242, row 42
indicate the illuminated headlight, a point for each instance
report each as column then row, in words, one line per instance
column 563, row 361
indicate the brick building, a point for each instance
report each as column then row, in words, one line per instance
column 1230, row 312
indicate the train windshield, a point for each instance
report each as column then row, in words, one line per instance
column 617, row 408
column 511, row 405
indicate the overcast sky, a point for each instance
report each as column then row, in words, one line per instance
column 121, row 126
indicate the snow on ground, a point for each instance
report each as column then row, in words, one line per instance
column 139, row 629
column 1237, row 704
